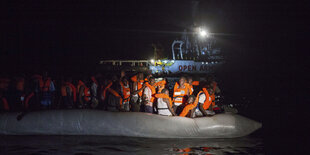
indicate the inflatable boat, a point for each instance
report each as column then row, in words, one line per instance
column 132, row 124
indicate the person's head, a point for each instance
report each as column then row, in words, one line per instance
column 189, row 80
column 152, row 81
column 114, row 78
column 191, row 99
column 123, row 73
column 210, row 90
column 140, row 76
column 165, row 91
column 124, row 80
column 182, row 81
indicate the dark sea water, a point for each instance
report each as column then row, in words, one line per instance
column 126, row 145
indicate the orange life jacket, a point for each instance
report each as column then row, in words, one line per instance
column 140, row 85
column 189, row 107
column 125, row 91
column 153, row 91
column 112, row 91
column 72, row 89
column 164, row 96
column 28, row 99
column 207, row 102
column 46, row 85
column 179, row 94
column 5, row 104
column 191, row 88
column 104, row 92
column 86, row 90
column 160, row 85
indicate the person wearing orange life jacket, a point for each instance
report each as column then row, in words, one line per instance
column 125, row 89
column 191, row 83
column 68, row 93
column 160, row 85
column 180, row 93
column 190, row 108
column 164, row 103
column 17, row 95
column 204, row 107
column 149, row 95
column 137, row 89
column 115, row 96
column 104, row 92
column 93, row 91
column 47, row 92
column 83, row 95
column 4, row 105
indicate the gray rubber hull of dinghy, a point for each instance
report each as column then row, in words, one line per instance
column 132, row 124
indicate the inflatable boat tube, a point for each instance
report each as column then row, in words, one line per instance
column 132, row 124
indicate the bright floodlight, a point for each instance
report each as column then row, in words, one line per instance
column 203, row 33
column 152, row 60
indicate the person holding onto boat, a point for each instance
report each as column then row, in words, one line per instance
column 180, row 93
column 83, row 94
column 125, row 89
column 149, row 95
column 204, row 107
column 201, row 106
column 47, row 92
column 191, row 84
column 164, row 103
column 137, row 91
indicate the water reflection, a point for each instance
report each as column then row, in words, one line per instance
column 126, row 145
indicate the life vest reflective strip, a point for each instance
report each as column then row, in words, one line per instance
column 189, row 107
column 153, row 91
column 125, row 91
column 179, row 93
column 46, row 85
column 5, row 104
column 116, row 94
column 164, row 96
column 28, row 99
column 207, row 102
column 104, row 92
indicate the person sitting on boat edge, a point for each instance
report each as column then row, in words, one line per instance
column 180, row 93
column 125, row 89
column 149, row 95
column 137, row 90
column 204, row 107
column 189, row 109
column 164, row 103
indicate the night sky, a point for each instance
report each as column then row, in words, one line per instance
column 73, row 33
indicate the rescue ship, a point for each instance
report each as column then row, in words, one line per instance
column 195, row 52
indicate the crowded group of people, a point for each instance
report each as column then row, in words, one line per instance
column 137, row 93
